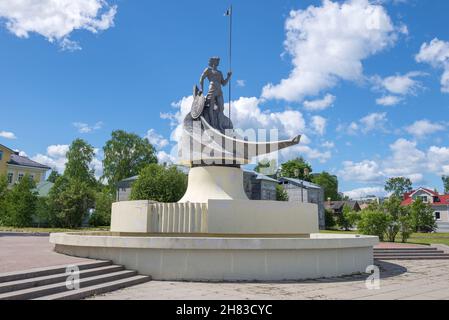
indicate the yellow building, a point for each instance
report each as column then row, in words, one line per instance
column 15, row 167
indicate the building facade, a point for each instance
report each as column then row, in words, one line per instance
column 304, row 191
column 15, row 167
column 438, row 202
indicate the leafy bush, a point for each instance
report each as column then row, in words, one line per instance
column 102, row 214
column 281, row 194
column 347, row 219
column 329, row 219
column 374, row 223
column 159, row 183
column 405, row 227
column 3, row 193
column 422, row 215
column 20, row 204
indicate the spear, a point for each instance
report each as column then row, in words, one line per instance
column 229, row 13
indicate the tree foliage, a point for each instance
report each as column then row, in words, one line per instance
column 329, row 183
column 422, row 217
column 125, row 155
column 329, row 219
column 374, row 222
column 103, row 205
column 3, row 193
column 21, row 203
column 281, row 194
column 159, row 183
column 446, row 184
column 297, row 168
column 398, row 186
column 53, row 176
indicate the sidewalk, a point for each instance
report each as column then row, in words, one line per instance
column 22, row 252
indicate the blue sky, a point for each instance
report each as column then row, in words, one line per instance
column 365, row 82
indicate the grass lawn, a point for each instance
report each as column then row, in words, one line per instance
column 49, row 230
column 416, row 238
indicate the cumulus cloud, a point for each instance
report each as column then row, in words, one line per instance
column 86, row 128
column 436, row 53
column 328, row 43
column 157, row 140
column 389, row 100
column 371, row 122
column 57, row 19
column 365, row 192
column 319, row 125
column 7, row 135
column 241, row 83
column 320, row 104
column 423, row 128
column 405, row 160
column 55, row 158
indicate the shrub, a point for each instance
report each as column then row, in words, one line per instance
column 102, row 214
column 405, row 227
column 159, row 183
column 21, row 204
column 347, row 219
column 423, row 219
column 3, row 193
column 374, row 223
column 329, row 219
column 281, row 194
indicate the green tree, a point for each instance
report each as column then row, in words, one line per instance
column 446, row 184
column 422, row 217
column 347, row 219
column 329, row 183
column 102, row 214
column 21, row 203
column 53, row 176
column 329, row 219
column 281, row 194
column 79, row 161
column 3, row 194
column 70, row 200
column 43, row 212
column 125, row 155
column 405, row 227
column 374, row 223
column 159, row 183
column 297, row 168
column 398, row 186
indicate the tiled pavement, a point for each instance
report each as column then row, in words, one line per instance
column 399, row 280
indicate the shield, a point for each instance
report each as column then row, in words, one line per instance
column 199, row 102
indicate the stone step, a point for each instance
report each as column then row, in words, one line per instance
column 97, row 289
column 408, row 252
column 413, row 257
column 32, row 293
column 405, row 249
column 41, row 272
column 55, row 278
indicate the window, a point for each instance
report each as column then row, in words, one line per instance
column 1, row 155
column 437, row 216
column 10, row 177
column 423, row 199
column 20, row 177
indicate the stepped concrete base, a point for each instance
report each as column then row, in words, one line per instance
column 226, row 258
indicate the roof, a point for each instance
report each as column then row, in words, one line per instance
column 25, row 162
column 1, row 145
column 260, row 176
column 336, row 205
column 43, row 188
column 408, row 197
column 301, row 183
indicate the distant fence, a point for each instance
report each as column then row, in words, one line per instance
column 179, row 217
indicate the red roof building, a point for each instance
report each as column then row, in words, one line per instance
column 439, row 202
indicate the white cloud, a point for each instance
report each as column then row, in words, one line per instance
column 320, row 104
column 373, row 121
column 436, row 53
column 328, row 145
column 241, row 83
column 57, row 19
column 7, row 135
column 157, row 140
column 366, row 171
column 328, row 43
column 438, row 160
column 423, row 128
column 319, row 124
column 86, row 128
column 365, row 192
column 56, row 159
column 400, row 84
column 388, row 100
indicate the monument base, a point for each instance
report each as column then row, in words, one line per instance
column 226, row 258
